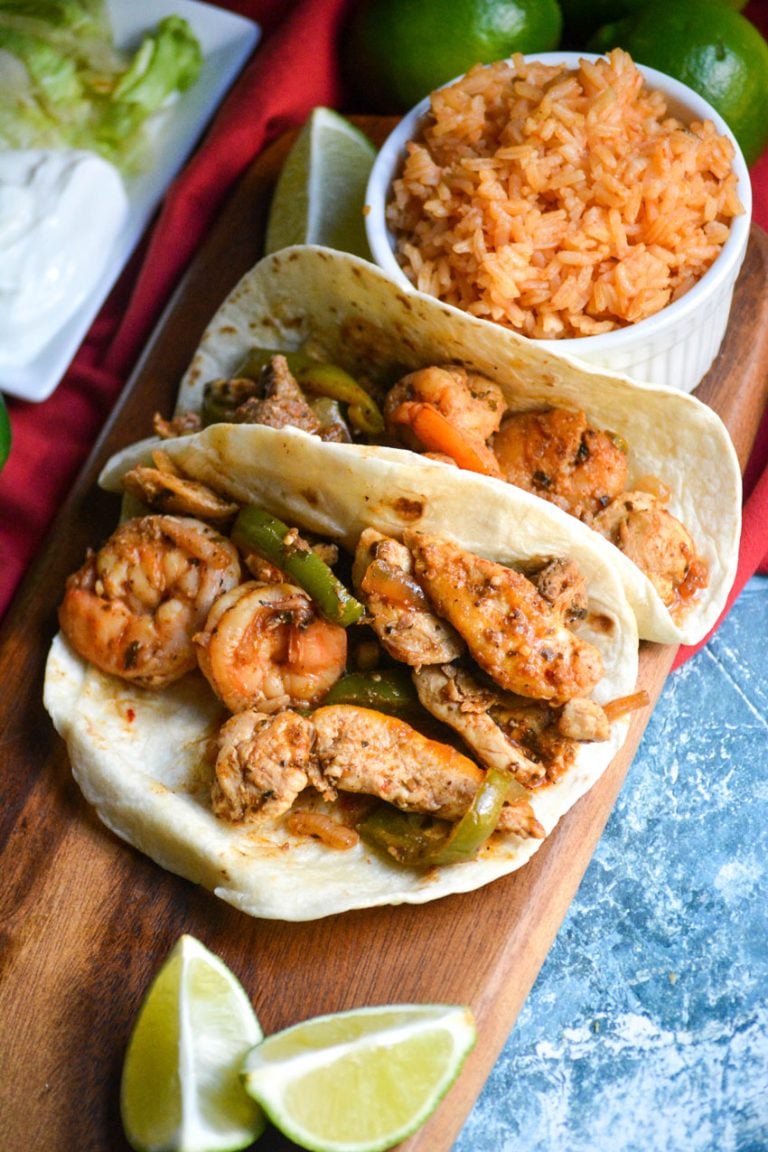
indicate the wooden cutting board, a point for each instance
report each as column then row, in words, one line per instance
column 86, row 920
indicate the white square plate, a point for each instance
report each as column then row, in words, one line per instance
column 227, row 41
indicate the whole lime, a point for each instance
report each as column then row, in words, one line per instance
column 711, row 48
column 582, row 18
column 394, row 52
column 5, row 433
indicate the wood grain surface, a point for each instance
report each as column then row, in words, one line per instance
column 87, row 920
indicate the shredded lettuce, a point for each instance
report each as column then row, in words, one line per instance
column 168, row 61
column 64, row 84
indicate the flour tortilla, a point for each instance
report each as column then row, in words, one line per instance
column 348, row 312
column 138, row 755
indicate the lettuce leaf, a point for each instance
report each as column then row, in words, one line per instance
column 64, row 84
column 167, row 62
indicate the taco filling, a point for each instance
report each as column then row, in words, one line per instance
column 414, row 694
column 460, row 417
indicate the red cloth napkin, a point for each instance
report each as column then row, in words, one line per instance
column 294, row 68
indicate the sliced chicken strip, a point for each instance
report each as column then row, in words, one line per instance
column 562, row 585
column 454, row 697
column 363, row 751
column 646, row 532
column 516, row 636
column 264, row 763
column 399, row 611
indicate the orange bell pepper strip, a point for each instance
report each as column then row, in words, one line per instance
column 437, row 434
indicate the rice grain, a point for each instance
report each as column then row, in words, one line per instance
column 560, row 202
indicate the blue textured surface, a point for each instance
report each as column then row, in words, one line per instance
column 647, row 1029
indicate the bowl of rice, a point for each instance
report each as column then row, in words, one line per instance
column 585, row 202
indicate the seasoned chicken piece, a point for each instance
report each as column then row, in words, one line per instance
column 549, row 735
column 360, row 750
column 456, row 698
column 511, row 630
column 363, row 751
column 183, row 424
column 164, row 489
column 562, row 585
column 282, row 404
column 530, row 738
column 557, row 455
column 223, row 396
column 472, row 405
column 400, row 613
column 584, row 720
column 264, row 763
column 640, row 525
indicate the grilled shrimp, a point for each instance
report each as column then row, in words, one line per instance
column 471, row 404
column 265, row 646
column 558, row 456
column 516, row 635
column 134, row 606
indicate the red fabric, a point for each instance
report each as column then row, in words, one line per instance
column 293, row 69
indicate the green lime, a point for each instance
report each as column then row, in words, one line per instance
column 362, row 1080
column 395, row 52
column 181, row 1087
column 320, row 193
column 5, row 432
column 581, row 18
column 711, row 48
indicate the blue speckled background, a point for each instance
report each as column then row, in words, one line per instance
column 647, row 1029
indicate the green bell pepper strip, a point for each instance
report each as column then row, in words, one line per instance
column 411, row 841
column 222, row 398
column 260, row 532
column 390, row 691
column 407, row 837
column 478, row 823
column 322, row 379
column 259, row 358
column 5, row 433
column 330, row 380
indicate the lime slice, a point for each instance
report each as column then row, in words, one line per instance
column 320, row 193
column 181, row 1088
column 362, row 1080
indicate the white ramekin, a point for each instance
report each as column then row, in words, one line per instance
column 676, row 346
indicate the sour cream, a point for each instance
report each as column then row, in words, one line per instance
column 60, row 213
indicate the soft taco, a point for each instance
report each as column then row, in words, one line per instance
column 649, row 473
column 337, row 677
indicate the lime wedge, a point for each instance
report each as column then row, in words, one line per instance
column 181, row 1088
column 320, row 193
column 362, row 1080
